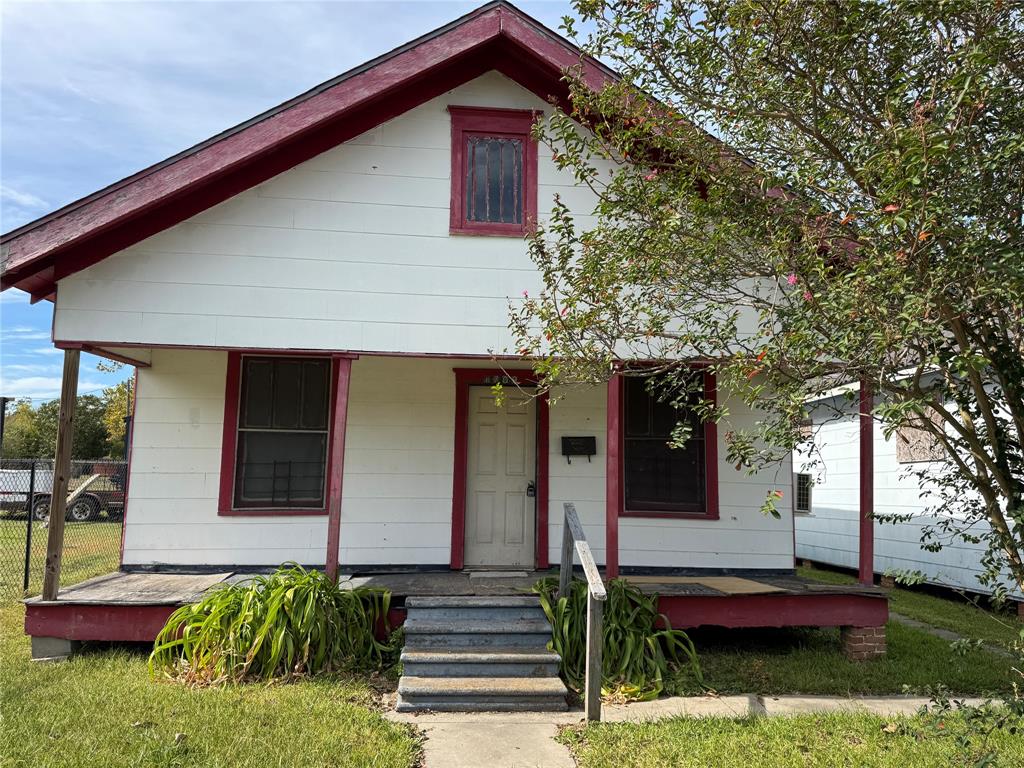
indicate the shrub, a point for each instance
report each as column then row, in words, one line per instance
column 639, row 645
column 293, row 622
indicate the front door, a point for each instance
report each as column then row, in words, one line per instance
column 500, row 509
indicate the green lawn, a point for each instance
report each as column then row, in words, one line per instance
column 101, row 709
column 770, row 661
column 90, row 549
column 955, row 613
column 808, row 741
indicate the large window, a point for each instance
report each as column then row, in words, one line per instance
column 657, row 477
column 282, row 433
column 494, row 171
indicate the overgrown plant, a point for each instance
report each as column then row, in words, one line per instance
column 639, row 647
column 293, row 622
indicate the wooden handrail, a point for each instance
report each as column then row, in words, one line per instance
column 573, row 539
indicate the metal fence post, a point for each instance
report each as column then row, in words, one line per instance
column 28, row 531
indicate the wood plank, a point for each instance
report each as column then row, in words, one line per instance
column 61, row 474
column 594, row 663
column 139, row 589
column 729, row 585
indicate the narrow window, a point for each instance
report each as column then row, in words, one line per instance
column 658, row 477
column 282, row 433
column 494, row 171
column 802, row 493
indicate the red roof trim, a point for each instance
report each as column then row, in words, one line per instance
column 495, row 36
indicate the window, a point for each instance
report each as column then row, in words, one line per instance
column 914, row 443
column 656, row 477
column 802, row 492
column 494, row 171
column 281, row 433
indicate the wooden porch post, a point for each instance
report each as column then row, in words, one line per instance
column 343, row 370
column 61, row 474
column 867, row 486
column 613, row 477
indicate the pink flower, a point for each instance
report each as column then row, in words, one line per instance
column 808, row 295
column 565, row 311
column 526, row 294
column 651, row 176
column 791, row 279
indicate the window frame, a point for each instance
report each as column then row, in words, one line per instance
column 503, row 123
column 710, row 511
column 229, row 444
column 796, row 493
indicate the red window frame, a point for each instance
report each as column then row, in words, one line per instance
column 710, row 463
column 229, row 443
column 507, row 123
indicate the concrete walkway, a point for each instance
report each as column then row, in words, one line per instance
column 527, row 739
column 944, row 634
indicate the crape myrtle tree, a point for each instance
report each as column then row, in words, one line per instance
column 805, row 194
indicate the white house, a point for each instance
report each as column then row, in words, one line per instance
column 317, row 304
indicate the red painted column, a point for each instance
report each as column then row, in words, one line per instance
column 613, row 476
column 867, row 485
column 343, row 371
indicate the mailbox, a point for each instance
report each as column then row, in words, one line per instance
column 579, row 446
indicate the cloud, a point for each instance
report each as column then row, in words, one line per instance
column 42, row 387
column 23, row 333
column 46, row 351
column 13, row 296
column 12, row 196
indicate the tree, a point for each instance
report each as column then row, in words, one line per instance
column 31, row 433
column 22, row 438
column 116, row 408
column 806, row 194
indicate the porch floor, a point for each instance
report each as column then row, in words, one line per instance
column 125, row 606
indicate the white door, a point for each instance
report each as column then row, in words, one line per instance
column 500, row 509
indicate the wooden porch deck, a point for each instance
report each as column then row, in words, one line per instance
column 132, row 607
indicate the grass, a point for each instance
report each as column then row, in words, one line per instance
column 807, row 741
column 90, row 549
column 776, row 661
column 956, row 613
column 102, row 709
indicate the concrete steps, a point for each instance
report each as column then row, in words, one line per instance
column 478, row 654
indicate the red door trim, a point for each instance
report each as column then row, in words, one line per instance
column 336, row 462
column 866, row 569
column 464, row 379
column 614, row 498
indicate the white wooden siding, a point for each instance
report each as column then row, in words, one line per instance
column 830, row 533
column 349, row 250
column 398, row 479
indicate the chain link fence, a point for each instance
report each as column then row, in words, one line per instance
column 92, row 532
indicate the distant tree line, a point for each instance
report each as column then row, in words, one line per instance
column 31, row 432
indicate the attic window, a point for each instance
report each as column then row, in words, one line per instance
column 494, row 171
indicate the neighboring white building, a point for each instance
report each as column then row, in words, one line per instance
column 826, row 502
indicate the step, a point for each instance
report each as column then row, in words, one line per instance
column 416, row 626
column 481, row 694
column 480, row 662
column 473, row 601
column 483, row 640
column 480, row 613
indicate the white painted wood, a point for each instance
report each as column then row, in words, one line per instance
column 829, row 534
column 500, row 514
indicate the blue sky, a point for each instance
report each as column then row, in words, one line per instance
column 92, row 92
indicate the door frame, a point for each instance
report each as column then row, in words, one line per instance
column 464, row 379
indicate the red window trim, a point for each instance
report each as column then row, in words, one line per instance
column 464, row 379
column 710, row 463
column 507, row 122
column 229, row 443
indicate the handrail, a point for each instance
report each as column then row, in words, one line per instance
column 573, row 538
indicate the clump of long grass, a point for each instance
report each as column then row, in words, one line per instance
column 640, row 647
column 291, row 623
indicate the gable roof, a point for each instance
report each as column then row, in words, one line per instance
column 495, row 36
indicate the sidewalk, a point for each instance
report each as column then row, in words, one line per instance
column 527, row 739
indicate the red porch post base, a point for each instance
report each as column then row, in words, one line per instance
column 1020, row 609
column 862, row 643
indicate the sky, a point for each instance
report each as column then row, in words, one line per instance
column 91, row 92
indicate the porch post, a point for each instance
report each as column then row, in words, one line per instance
column 867, row 485
column 61, row 474
column 343, row 371
column 613, row 476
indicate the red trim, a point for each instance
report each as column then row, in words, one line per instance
column 496, row 36
column 613, row 476
column 464, row 379
column 866, row 570
column 229, row 439
column 336, row 462
column 116, row 623
column 775, row 611
column 509, row 123
column 128, row 463
column 711, row 510
column 95, row 350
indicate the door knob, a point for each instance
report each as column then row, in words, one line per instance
column 531, row 490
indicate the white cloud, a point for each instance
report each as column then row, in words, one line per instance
column 46, row 351
column 12, row 196
column 41, row 387
column 13, row 296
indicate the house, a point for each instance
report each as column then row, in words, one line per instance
column 826, row 506
column 317, row 303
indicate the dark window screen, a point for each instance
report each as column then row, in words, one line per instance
column 494, row 179
column 659, row 478
column 283, row 416
column 803, row 492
